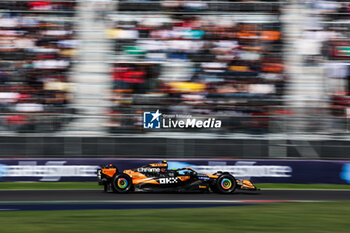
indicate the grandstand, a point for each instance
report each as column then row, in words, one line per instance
column 218, row 59
column 38, row 46
column 269, row 70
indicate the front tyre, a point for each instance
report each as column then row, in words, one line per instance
column 226, row 184
column 122, row 183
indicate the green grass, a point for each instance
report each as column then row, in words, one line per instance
column 49, row 185
column 292, row 217
column 94, row 185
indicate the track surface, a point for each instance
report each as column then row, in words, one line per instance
column 98, row 196
column 22, row 200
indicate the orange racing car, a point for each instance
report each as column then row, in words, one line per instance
column 156, row 177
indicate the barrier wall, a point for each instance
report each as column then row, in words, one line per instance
column 163, row 147
column 259, row 171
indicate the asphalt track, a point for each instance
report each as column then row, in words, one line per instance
column 97, row 199
column 99, row 195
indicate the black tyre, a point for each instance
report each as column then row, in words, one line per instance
column 122, row 183
column 225, row 183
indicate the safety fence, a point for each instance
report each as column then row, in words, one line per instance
column 179, row 146
column 278, row 120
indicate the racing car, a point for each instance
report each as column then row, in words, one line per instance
column 156, row 177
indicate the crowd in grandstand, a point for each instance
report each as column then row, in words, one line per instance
column 207, row 58
column 22, row 5
column 36, row 54
column 199, row 5
column 199, row 64
column 329, row 31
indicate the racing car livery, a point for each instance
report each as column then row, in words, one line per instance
column 156, row 177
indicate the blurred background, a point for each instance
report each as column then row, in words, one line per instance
column 76, row 76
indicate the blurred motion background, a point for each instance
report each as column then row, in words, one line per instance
column 75, row 77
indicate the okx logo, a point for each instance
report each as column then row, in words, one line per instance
column 151, row 120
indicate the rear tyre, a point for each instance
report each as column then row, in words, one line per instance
column 122, row 183
column 226, row 183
